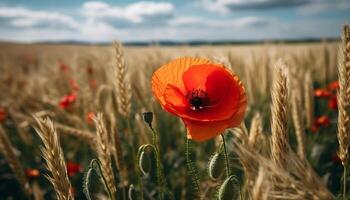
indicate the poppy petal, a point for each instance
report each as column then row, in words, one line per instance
column 171, row 73
column 201, row 131
column 175, row 99
column 214, row 79
column 225, row 107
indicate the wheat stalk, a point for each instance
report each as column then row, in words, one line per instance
column 104, row 154
column 53, row 155
column 121, row 82
column 344, row 103
column 309, row 99
column 8, row 152
column 86, row 136
column 279, row 150
column 260, row 190
column 296, row 182
column 298, row 124
column 116, row 149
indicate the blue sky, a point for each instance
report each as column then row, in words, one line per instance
column 180, row 20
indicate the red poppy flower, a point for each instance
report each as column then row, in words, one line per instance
column 67, row 100
column 333, row 103
column 32, row 173
column 73, row 168
column 324, row 93
column 90, row 117
column 333, row 85
column 322, row 121
column 74, row 85
column 208, row 97
column 3, row 114
column 64, row 68
column 314, row 128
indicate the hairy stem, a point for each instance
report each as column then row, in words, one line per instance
column 192, row 169
column 160, row 176
column 226, row 157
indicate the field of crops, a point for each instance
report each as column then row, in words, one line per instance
column 90, row 122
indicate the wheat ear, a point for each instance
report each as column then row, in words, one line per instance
column 255, row 130
column 344, row 103
column 121, row 82
column 344, row 97
column 104, row 154
column 298, row 125
column 53, row 155
column 279, row 146
column 8, row 152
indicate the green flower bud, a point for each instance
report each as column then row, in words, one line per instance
column 229, row 189
column 148, row 117
column 216, row 166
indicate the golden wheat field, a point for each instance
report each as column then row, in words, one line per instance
column 260, row 121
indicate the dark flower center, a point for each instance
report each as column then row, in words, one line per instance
column 198, row 99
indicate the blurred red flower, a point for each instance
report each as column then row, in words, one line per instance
column 73, row 168
column 90, row 117
column 64, row 68
column 68, row 100
column 32, row 173
column 333, row 85
column 322, row 121
column 333, row 103
column 74, row 85
column 3, row 114
column 322, row 92
column 314, row 128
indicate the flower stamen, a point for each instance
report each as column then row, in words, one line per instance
column 198, row 99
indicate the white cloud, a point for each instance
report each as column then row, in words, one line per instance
column 95, row 5
column 191, row 21
column 137, row 13
column 18, row 17
column 98, row 21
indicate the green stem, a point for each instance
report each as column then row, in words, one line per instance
column 344, row 181
column 154, row 136
column 103, row 177
column 133, row 144
column 192, row 169
column 160, row 176
column 226, row 157
column 139, row 172
column 124, row 193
